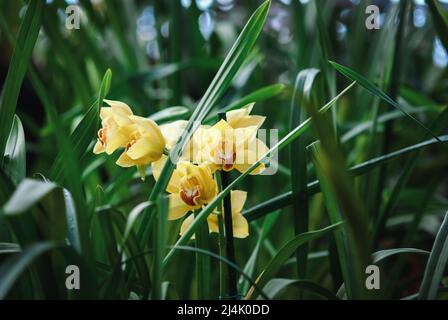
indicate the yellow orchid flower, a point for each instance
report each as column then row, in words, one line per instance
column 227, row 148
column 240, row 224
column 190, row 187
column 240, row 118
column 172, row 132
column 116, row 127
column 145, row 145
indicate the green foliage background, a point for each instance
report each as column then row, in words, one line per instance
column 365, row 182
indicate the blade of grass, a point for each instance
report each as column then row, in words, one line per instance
column 436, row 264
column 28, row 32
column 159, row 247
column 203, row 271
column 275, row 286
column 15, row 152
column 368, row 85
column 437, row 126
column 297, row 154
column 343, row 204
column 286, row 251
column 11, row 269
column 268, row 224
column 393, row 87
column 440, row 20
column 85, row 130
column 313, row 187
column 256, row 96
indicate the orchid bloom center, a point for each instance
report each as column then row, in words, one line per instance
column 102, row 135
column 226, row 157
column 130, row 144
column 190, row 192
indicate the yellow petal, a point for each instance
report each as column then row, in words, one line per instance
column 118, row 138
column 146, row 147
column 240, row 226
column 124, row 161
column 209, row 186
column 173, row 185
column 240, row 118
column 148, row 127
column 177, row 208
column 172, row 131
column 222, row 126
column 119, row 107
column 212, row 221
column 98, row 148
column 237, row 198
column 186, row 223
column 243, row 167
column 244, row 136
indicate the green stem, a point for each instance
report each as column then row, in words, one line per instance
column 228, row 226
column 202, row 262
column 221, row 244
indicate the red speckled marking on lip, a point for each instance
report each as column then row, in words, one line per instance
column 102, row 135
column 227, row 160
column 189, row 196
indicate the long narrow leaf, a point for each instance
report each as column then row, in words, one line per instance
column 29, row 30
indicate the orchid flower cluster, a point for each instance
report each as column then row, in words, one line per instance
column 230, row 144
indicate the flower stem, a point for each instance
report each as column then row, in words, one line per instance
column 228, row 225
column 221, row 243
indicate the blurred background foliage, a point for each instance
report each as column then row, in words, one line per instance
column 165, row 53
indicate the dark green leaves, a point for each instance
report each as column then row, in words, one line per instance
column 11, row 269
column 440, row 19
column 28, row 33
column 368, row 85
column 15, row 152
column 286, row 251
column 436, row 264
column 27, row 194
column 85, row 130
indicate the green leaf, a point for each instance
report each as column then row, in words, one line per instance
column 28, row 193
column 15, row 152
column 436, row 265
column 159, row 246
column 73, row 233
column 313, row 187
column 203, row 269
column 286, row 251
column 12, row 268
column 440, row 19
column 297, row 154
column 7, row 248
column 170, row 114
column 275, row 286
column 28, row 32
column 343, row 204
column 256, row 96
column 249, row 268
column 85, row 130
column 383, row 254
column 227, row 262
column 368, row 85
